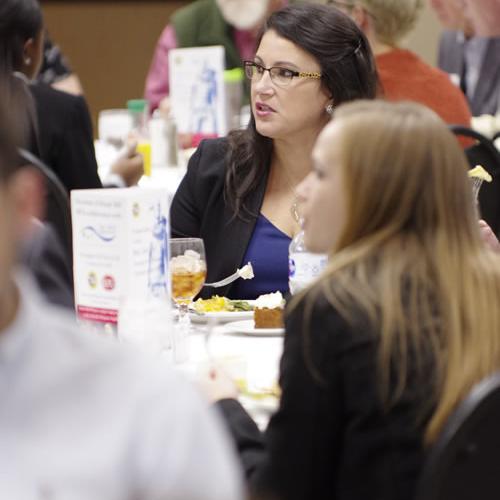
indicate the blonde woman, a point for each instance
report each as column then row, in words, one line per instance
column 403, row 75
column 380, row 350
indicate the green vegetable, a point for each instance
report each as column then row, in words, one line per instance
column 240, row 305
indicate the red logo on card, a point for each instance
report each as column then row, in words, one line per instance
column 108, row 282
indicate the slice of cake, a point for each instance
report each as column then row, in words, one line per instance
column 268, row 312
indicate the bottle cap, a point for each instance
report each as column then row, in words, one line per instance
column 234, row 75
column 137, row 105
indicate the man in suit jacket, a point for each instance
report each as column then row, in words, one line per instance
column 470, row 53
column 474, row 61
column 484, row 16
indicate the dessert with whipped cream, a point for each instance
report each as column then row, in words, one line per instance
column 268, row 312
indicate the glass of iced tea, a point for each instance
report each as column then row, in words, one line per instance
column 188, row 270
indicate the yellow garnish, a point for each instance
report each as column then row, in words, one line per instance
column 257, row 393
column 220, row 304
column 478, row 172
column 215, row 304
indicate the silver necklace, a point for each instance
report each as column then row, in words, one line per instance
column 294, row 210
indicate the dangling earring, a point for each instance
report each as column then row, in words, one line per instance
column 27, row 61
column 329, row 109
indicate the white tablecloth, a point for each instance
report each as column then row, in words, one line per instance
column 256, row 359
column 165, row 176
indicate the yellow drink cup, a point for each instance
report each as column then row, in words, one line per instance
column 144, row 148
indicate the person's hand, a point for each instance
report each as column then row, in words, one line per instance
column 217, row 385
column 129, row 166
column 165, row 107
column 488, row 236
column 185, row 140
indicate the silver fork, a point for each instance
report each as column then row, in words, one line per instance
column 476, row 186
column 240, row 273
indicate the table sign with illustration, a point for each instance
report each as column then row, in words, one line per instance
column 120, row 249
column 197, row 90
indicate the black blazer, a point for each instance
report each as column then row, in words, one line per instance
column 199, row 210
column 331, row 437
column 65, row 137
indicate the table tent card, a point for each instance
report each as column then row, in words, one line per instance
column 197, row 90
column 120, row 250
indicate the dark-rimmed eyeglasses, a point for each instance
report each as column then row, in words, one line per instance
column 279, row 75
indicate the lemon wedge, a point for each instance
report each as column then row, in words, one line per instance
column 478, row 172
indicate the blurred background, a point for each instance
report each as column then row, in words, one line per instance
column 110, row 43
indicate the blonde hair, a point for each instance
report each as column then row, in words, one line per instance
column 410, row 257
column 392, row 19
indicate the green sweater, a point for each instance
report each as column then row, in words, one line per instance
column 201, row 24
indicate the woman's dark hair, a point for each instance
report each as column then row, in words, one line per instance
column 348, row 73
column 20, row 20
column 13, row 129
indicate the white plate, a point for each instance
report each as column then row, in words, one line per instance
column 247, row 327
column 220, row 316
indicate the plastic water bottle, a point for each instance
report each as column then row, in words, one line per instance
column 303, row 266
column 233, row 82
column 139, row 111
column 164, row 144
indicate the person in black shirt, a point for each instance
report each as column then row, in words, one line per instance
column 56, row 70
column 381, row 349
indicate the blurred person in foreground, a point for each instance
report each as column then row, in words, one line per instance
column 234, row 24
column 62, row 129
column 403, row 322
column 403, row 75
column 44, row 250
column 82, row 417
column 469, row 50
column 239, row 192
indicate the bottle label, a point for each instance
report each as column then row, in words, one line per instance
column 304, row 268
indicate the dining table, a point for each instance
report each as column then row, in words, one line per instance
column 250, row 359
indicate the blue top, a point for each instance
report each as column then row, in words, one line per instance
column 268, row 253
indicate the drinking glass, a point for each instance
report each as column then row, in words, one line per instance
column 114, row 127
column 188, row 270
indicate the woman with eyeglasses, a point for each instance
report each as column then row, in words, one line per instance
column 239, row 192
